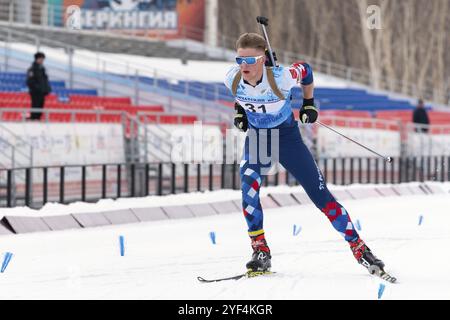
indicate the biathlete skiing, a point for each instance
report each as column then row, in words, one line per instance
column 262, row 94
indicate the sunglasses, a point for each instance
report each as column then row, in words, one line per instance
column 247, row 60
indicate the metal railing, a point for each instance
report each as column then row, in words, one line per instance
column 73, row 115
column 14, row 152
column 143, row 179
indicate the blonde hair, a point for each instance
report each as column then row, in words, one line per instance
column 251, row 40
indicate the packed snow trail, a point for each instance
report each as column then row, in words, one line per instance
column 163, row 259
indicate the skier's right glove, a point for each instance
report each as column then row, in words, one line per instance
column 240, row 118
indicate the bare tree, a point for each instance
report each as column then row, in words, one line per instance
column 411, row 48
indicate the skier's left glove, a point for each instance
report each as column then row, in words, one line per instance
column 268, row 62
column 308, row 111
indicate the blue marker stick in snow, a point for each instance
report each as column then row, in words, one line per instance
column 122, row 245
column 296, row 230
column 212, row 235
column 380, row 290
column 420, row 219
column 358, row 225
column 6, row 261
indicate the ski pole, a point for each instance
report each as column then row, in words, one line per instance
column 263, row 21
column 387, row 159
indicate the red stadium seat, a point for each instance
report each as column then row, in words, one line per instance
column 110, row 118
column 59, row 117
column 12, row 116
column 346, row 113
column 439, row 117
column 188, row 119
column 85, row 117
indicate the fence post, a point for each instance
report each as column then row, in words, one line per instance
column 133, row 184
column 172, row 179
column 392, row 170
column 103, row 181
column 435, row 174
column 422, row 163
column 222, row 175
column 159, row 181
column 45, row 185
column 359, row 170
column 407, row 169
column 448, row 168
column 334, row 170
column 61, row 184
column 9, row 188
column 147, row 179
column 83, row 183
column 428, row 167
column 186, row 178
column 27, row 186
column 199, row 176
column 376, row 170
column 210, row 177
column 119, row 180
column 351, row 170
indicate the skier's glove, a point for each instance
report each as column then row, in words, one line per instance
column 268, row 62
column 308, row 111
column 240, row 118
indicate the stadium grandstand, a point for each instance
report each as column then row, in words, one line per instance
column 119, row 93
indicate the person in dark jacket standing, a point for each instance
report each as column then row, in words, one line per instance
column 38, row 85
column 420, row 117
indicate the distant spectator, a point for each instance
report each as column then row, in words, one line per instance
column 420, row 117
column 38, row 85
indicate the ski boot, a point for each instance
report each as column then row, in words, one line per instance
column 365, row 257
column 260, row 261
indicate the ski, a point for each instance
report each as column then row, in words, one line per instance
column 387, row 277
column 379, row 272
column 248, row 274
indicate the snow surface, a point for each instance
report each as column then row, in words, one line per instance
column 162, row 259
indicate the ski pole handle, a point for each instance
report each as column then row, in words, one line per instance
column 262, row 20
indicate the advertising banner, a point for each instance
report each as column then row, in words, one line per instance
column 64, row 144
column 165, row 19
